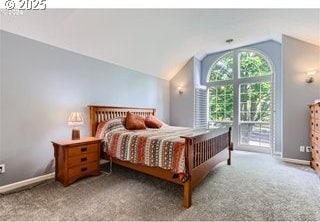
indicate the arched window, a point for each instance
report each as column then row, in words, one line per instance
column 239, row 87
column 253, row 64
column 222, row 69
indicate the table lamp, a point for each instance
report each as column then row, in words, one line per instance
column 75, row 119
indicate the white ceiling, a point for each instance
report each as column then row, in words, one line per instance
column 160, row 41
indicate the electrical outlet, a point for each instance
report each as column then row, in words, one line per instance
column 302, row 149
column 2, row 168
column 308, row 149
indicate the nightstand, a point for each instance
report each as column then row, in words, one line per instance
column 75, row 159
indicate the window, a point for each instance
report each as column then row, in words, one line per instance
column 255, row 102
column 253, row 64
column 221, row 105
column 240, row 94
column 222, row 70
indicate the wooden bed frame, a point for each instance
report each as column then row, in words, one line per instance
column 203, row 149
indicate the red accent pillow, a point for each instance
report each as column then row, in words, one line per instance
column 134, row 122
column 152, row 122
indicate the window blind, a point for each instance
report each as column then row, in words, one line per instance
column 200, row 108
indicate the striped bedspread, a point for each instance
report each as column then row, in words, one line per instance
column 151, row 147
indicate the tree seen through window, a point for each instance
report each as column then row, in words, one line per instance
column 254, row 100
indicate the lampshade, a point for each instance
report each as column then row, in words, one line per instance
column 75, row 119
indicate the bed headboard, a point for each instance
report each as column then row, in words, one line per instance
column 102, row 113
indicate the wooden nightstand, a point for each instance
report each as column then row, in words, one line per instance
column 76, row 159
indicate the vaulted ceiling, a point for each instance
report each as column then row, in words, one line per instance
column 160, row 41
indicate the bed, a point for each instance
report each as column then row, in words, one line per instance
column 202, row 149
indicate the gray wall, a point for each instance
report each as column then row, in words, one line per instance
column 42, row 84
column 182, row 106
column 298, row 58
column 197, row 71
column 271, row 49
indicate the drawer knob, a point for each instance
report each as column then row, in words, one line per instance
column 317, row 151
column 83, row 159
column 84, row 149
column 83, row 169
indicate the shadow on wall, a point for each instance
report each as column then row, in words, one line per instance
column 48, row 169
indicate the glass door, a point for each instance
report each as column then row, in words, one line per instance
column 240, row 94
column 255, row 114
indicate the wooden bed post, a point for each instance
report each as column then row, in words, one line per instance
column 93, row 120
column 187, row 193
column 187, row 186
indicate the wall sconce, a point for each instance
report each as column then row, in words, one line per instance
column 180, row 91
column 75, row 119
column 310, row 76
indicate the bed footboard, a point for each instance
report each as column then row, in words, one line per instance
column 203, row 151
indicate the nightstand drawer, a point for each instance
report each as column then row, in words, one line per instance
column 83, row 149
column 82, row 170
column 81, row 159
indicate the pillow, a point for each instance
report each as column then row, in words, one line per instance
column 108, row 126
column 134, row 122
column 152, row 122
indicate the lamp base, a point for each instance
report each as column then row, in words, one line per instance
column 75, row 134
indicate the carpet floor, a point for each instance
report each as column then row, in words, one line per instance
column 255, row 187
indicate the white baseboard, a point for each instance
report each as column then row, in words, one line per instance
column 277, row 153
column 27, row 182
column 302, row 162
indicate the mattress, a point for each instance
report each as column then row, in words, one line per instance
column 162, row 147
